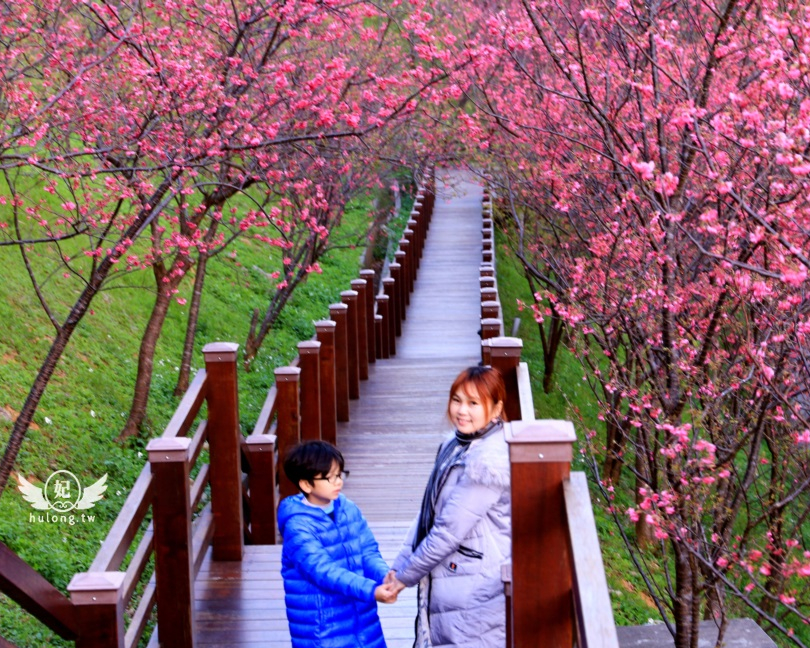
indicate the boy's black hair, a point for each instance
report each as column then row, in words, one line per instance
column 309, row 459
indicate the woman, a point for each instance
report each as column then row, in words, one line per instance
column 462, row 536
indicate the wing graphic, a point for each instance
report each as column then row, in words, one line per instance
column 33, row 494
column 92, row 493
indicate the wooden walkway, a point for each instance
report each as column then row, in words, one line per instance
column 392, row 437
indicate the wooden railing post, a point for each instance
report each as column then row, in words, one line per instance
column 413, row 254
column 490, row 328
column 413, row 225
column 339, row 314
column 224, row 440
column 260, row 453
column 378, row 331
column 98, row 604
column 489, row 294
column 505, row 356
column 288, row 421
column 398, row 294
column 390, row 288
column 371, row 340
column 404, row 278
column 309, row 354
column 171, row 518
column 349, row 297
column 383, row 302
column 540, row 455
column 360, row 286
column 325, row 330
column 490, row 310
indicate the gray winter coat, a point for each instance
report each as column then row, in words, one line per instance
column 464, row 551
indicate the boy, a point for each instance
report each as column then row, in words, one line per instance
column 331, row 565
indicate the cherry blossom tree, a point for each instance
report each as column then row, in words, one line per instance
column 662, row 148
column 142, row 123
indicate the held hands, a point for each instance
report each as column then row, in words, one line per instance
column 385, row 593
column 391, row 579
column 390, row 589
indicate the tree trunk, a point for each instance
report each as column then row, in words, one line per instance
column 191, row 327
column 683, row 603
column 41, row 381
column 146, row 360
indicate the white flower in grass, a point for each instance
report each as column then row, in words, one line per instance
column 93, row 413
column 48, row 420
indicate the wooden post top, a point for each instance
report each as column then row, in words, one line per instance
column 350, row 295
column 308, row 347
column 384, row 297
column 506, row 347
column 367, row 272
column 168, row 449
column 220, row 351
column 287, row 374
column 326, row 325
column 261, row 441
column 395, row 265
column 338, row 308
column 358, row 282
column 94, row 588
column 540, row 441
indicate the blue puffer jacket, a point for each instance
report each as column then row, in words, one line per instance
column 330, row 570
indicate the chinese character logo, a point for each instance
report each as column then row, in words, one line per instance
column 63, row 492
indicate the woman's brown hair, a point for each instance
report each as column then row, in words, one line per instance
column 487, row 381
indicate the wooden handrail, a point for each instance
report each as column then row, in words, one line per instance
column 34, row 594
column 595, row 626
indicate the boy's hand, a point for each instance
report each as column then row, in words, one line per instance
column 386, row 593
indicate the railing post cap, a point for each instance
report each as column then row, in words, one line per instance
column 308, row 347
column 395, row 265
column 490, row 321
column 384, row 297
column 349, row 294
column 338, row 308
column 490, row 302
column 287, row 374
column 540, row 441
column 407, row 231
column 507, row 342
column 326, row 325
column 367, row 272
column 168, row 449
column 403, row 242
column 358, row 282
column 220, row 351
column 93, row 588
column 261, row 441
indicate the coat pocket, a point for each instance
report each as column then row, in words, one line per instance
column 470, row 553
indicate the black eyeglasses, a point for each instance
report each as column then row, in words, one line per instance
column 333, row 478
